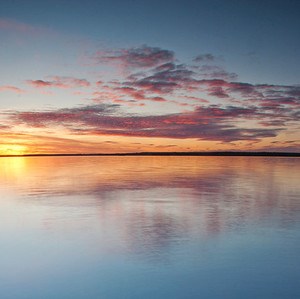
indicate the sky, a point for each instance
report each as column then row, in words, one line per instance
column 133, row 76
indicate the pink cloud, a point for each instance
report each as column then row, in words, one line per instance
column 39, row 83
column 70, row 81
column 131, row 92
column 123, row 94
column 205, row 123
column 156, row 74
column 59, row 82
column 11, row 88
column 158, row 78
column 164, row 80
column 157, row 99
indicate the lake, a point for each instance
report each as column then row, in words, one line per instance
column 149, row 227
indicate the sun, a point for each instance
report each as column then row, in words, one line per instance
column 12, row 149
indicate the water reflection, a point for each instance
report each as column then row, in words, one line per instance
column 149, row 227
column 150, row 203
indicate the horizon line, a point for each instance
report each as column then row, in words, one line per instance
column 210, row 153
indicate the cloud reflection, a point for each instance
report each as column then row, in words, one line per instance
column 148, row 204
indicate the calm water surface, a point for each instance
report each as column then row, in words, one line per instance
column 149, row 227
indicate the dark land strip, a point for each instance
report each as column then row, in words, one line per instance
column 221, row 154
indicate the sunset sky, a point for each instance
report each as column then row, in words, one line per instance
column 132, row 76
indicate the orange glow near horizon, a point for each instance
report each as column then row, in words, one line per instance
column 13, row 149
column 46, row 145
column 62, row 143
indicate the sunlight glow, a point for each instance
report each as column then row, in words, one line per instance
column 12, row 149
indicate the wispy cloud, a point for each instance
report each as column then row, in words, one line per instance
column 11, row 88
column 204, row 58
column 59, row 82
column 17, row 26
column 216, row 72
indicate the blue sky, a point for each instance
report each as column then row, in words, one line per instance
column 47, row 46
column 258, row 39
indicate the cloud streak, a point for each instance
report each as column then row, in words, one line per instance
column 205, row 123
column 59, row 82
column 12, row 89
column 204, row 58
column 13, row 25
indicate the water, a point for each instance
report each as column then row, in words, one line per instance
column 149, row 227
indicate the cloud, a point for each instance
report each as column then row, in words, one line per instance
column 59, row 82
column 157, row 75
column 218, row 92
column 241, row 111
column 243, row 88
column 205, row 123
column 294, row 91
column 119, row 93
column 216, row 72
column 157, row 78
column 140, row 57
column 4, row 127
column 70, row 81
column 157, row 99
column 273, row 123
column 163, row 79
column 23, row 29
column 9, row 24
column 258, row 92
column 11, row 88
column 39, row 83
column 204, row 58
column 197, row 99
column 149, row 85
column 212, row 132
column 52, row 144
column 131, row 92
column 77, row 115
